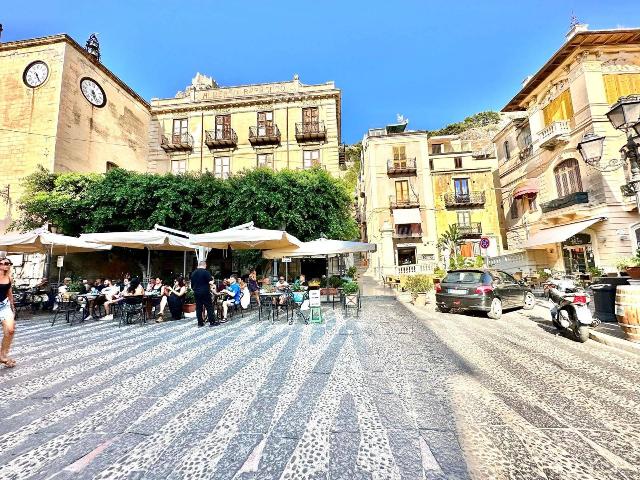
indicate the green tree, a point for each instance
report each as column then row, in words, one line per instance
column 481, row 119
column 305, row 203
column 450, row 239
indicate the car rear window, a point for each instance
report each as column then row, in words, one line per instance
column 464, row 277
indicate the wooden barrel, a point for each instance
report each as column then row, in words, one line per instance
column 628, row 311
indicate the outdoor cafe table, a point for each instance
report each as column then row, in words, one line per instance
column 273, row 305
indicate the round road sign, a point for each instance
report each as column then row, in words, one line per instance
column 484, row 243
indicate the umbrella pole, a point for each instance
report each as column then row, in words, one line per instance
column 184, row 265
column 148, row 262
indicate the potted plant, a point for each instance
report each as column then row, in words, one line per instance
column 419, row 286
column 73, row 290
column 331, row 285
column 314, row 284
column 189, row 305
column 352, row 272
column 595, row 272
column 298, row 292
column 438, row 275
column 631, row 265
column 350, row 290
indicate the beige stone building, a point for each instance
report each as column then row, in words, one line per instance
column 228, row 129
column 62, row 109
column 395, row 201
column 559, row 212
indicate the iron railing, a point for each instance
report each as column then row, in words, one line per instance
column 408, row 201
column 221, row 138
column 264, row 134
column 464, row 199
column 402, row 165
column 306, row 131
column 575, row 198
column 470, row 229
column 176, row 141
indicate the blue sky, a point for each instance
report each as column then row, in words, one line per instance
column 433, row 61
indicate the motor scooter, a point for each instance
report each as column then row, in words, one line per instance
column 570, row 311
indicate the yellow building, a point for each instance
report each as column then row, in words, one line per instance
column 62, row 109
column 464, row 192
column 228, row 129
column 561, row 213
column 395, row 201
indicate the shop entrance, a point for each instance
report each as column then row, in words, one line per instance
column 407, row 256
column 578, row 253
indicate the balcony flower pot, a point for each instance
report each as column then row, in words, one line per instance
column 420, row 299
column 633, row 272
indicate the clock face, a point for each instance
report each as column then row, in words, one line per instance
column 35, row 74
column 93, row 92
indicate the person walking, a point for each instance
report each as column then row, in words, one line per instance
column 201, row 281
column 7, row 313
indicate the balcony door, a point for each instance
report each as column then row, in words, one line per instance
column 461, row 187
column 180, row 129
column 399, row 156
column 310, row 120
column 402, row 191
column 265, row 124
column 223, row 127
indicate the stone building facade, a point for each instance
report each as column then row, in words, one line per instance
column 559, row 212
column 225, row 130
column 62, row 109
column 395, row 201
column 464, row 187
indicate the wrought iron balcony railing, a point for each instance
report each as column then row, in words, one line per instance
column 473, row 229
column 401, row 166
column 176, row 142
column 464, row 199
column 575, row 198
column 409, row 201
column 264, row 135
column 226, row 138
column 310, row 131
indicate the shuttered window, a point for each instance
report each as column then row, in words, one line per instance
column 402, row 191
column 568, row 178
column 560, row 108
column 620, row 85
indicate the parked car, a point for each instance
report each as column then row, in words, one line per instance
column 483, row 290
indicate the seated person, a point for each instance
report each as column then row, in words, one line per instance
column 84, row 288
column 266, row 285
column 102, row 289
column 97, row 286
column 301, row 282
column 112, row 295
column 282, row 286
column 234, row 293
column 245, row 298
column 174, row 297
column 254, row 288
column 40, row 294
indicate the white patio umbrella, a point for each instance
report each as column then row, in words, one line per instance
column 149, row 239
column 246, row 237
column 43, row 241
column 321, row 247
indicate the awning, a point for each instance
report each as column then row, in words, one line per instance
column 402, row 216
column 529, row 186
column 552, row 235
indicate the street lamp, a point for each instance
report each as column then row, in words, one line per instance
column 625, row 116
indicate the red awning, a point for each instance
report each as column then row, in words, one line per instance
column 528, row 187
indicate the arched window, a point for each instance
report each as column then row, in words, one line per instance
column 507, row 152
column 568, row 179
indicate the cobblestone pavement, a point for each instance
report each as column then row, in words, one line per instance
column 384, row 395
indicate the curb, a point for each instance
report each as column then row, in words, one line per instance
column 615, row 342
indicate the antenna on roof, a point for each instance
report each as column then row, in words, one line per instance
column 573, row 20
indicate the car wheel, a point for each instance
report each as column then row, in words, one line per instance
column 444, row 309
column 496, row 309
column 529, row 301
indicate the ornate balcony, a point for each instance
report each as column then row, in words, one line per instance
column 470, row 230
column 557, row 133
column 411, row 201
column 269, row 135
column 452, row 200
column 575, row 198
column 177, row 142
column 402, row 166
column 525, row 153
column 310, row 132
column 221, row 138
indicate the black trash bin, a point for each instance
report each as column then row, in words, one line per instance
column 604, row 297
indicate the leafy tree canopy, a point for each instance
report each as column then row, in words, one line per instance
column 481, row 119
column 305, row 203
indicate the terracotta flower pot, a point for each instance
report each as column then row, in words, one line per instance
column 633, row 272
column 328, row 291
column 189, row 307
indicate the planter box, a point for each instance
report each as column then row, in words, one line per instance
column 328, row 291
column 420, row 299
column 633, row 272
column 404, row 297
column 189, row 308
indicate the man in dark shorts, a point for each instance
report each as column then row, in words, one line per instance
column 201, row 281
